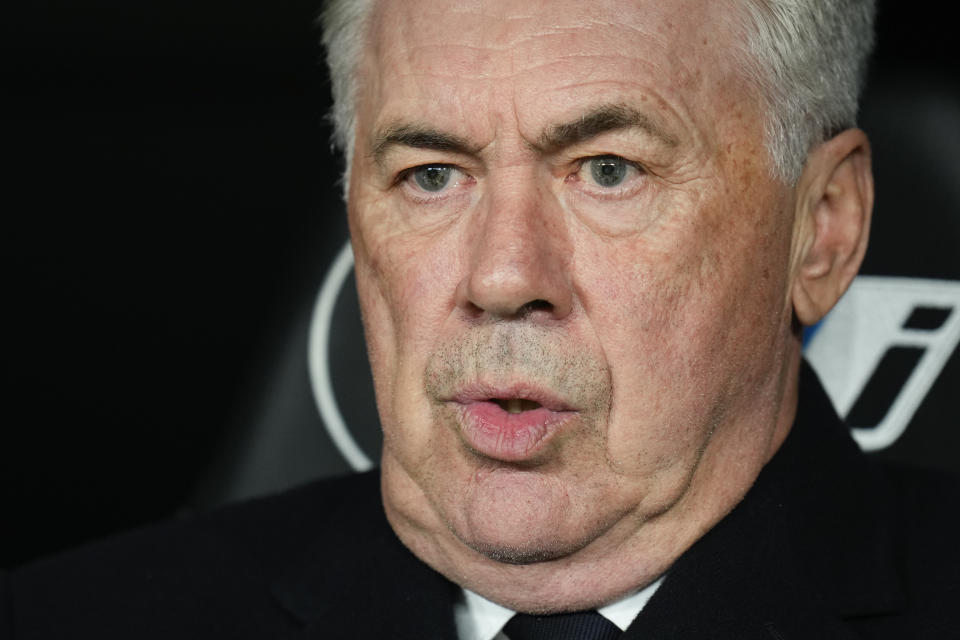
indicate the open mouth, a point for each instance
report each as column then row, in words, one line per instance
column 510, row 425
column 515, row 405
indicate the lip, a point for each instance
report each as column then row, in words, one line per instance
column 490, row 430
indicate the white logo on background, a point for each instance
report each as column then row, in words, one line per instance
column 318, row 360
column 868, row 321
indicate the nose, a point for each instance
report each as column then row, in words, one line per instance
column 517, row 260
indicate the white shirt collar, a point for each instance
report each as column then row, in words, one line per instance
column 480, row 619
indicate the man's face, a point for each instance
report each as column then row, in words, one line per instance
column 574, row 272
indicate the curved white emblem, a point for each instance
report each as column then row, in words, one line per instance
column 318, row 349
column 869, row 320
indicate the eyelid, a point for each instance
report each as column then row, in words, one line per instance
column 404, row 179
column 632, row 185
column 638, row 167
column 613, row 156
column 405, row 173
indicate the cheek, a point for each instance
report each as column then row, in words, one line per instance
column 390, row 284
column 414, row 284
column 682, row 322
column 405, row 286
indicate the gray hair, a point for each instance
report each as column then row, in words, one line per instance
column 807, row 60
column 344, row 24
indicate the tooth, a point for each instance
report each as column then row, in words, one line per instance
column 514, row 405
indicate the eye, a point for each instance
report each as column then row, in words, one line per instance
column 433, row 177
column 427, row 183
column 608, row 171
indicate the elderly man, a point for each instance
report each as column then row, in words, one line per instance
column 587, row 236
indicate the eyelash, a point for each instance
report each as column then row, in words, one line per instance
column 406, row 178
column 618, row 192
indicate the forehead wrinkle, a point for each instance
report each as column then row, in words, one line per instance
column 472, row 52
column 465, row 69
column 504, row 55
column 600, row 58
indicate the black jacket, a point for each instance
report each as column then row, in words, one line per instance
column 827, row 544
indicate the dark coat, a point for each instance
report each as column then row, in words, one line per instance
column 827, row 544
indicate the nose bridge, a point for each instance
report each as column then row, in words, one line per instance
column 518, row 254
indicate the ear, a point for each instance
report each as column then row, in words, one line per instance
column 834, row 204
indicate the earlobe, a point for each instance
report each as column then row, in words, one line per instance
column 834, row 205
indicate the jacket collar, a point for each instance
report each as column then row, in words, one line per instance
column 359, row 581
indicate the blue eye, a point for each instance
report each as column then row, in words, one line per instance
column 433, row 177
column 608, row 171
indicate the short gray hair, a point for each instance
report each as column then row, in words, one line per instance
column 344, row 24
column 806, row 58
column 808, row 62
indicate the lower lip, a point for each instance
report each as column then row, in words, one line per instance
column 512, row 437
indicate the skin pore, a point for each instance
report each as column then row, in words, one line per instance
column 578, row 283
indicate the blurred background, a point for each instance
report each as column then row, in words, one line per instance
column 167, row 190
column 169, row 210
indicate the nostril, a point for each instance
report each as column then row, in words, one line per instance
column 534, row 305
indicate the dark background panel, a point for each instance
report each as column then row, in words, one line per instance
column 168, row 194
column 169, row 207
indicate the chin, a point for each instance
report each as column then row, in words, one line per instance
column 525, row 520
column 525, row 554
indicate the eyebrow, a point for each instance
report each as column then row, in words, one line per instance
column 597, row 121
column 420, row 137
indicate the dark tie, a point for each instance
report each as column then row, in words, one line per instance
column 584, row 625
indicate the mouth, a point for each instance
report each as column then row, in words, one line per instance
column 510, row 425
column 514, row 406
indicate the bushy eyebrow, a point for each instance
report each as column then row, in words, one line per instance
column 420, row 137
column 597, row 121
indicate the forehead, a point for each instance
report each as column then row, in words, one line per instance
column 447, row 61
